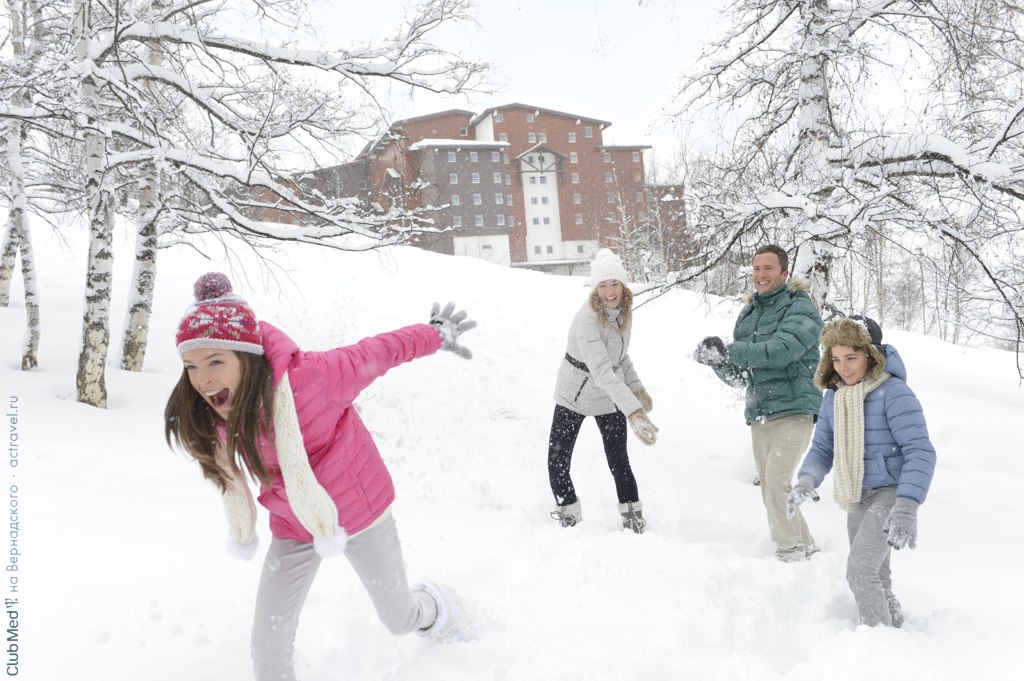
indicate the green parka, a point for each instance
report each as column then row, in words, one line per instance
column 775, row 353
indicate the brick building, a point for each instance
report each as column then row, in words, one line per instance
column 515, row 184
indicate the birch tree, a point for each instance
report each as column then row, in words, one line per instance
column 182, row 126
column 817, row 164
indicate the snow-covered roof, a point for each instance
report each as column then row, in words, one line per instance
column 422, row 144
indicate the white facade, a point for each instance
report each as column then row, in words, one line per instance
column 493, row 248
column 538, row 170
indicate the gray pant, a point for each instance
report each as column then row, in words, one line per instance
column 867, row 568
column 288, row 573
column 779, row 444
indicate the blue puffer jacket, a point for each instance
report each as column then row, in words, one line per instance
column 897, row 450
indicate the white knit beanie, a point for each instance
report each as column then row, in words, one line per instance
column 606, row 266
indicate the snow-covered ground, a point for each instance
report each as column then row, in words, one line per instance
column 122, row 573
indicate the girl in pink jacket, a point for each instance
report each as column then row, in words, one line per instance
column 250, row 399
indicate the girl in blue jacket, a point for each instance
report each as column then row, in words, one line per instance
column 872, row 432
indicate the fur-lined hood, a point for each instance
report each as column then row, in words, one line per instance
column 793, row 284
column 855, row 335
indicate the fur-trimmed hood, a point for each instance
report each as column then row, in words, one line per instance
column 855, row 335
column 793, row 284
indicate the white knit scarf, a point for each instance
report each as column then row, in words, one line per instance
column 848, row 441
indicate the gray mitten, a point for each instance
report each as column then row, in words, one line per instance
column 451, row 326
column 642, row 426
column 711, row 351
column 801, row 492
column 646, row 403
column 901, row 525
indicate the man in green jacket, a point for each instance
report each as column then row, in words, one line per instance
column 774, row 354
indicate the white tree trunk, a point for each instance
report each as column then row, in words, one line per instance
column 140, row 297
column 92, row 360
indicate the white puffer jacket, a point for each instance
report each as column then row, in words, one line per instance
column 609, row 380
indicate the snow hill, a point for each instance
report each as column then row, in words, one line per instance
column 123, row 575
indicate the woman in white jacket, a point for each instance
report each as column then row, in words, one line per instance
column 597, row 379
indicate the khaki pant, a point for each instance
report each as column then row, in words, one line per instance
column 779, row 445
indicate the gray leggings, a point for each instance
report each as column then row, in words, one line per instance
column 288, row 573
column 867, row 568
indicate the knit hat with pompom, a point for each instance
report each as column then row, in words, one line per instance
column 218, row 319
column 606, row 266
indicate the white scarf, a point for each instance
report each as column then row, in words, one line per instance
column 848, row 439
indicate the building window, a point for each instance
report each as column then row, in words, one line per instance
column 453, row 178
column 456, row 201
column 476, row 200
column 610, row 197
column 551, row 249
column 536, row 250
column 611, row 217
column 475, row 178
column 636, row 155
column 579, row 248
column 533, row 179
column 576, row 199
column 464, row 132
column 607, row 157
column 474, row 157
column 501, row 220
column 547, row 221
column 495, row 156
column 588, row 132
column 508, row 180
column 575, row 178
column 639, row 197
column 499, row 199
column 544, row 200
column 543, row 179
column 531, row 137
column 497, row 178
column 478, row 220
column 485, row 248
column 498, row 118
column 536, row 221
column 572, row 157
column 451, row 157
column 456, row 221
column 508, row 200
column 543, row 137
column 529, row 118
column 533, row 200
column 579, row 218
column 529, row 159
column 503, row 137
column 504, row 159
column 608, row 178
column 572, row 138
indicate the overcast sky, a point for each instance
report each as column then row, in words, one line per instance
column 613, row 60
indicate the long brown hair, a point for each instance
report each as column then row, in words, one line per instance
column 192, row 423
column 626, row 316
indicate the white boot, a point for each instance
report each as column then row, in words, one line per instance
column 569, row 515
column 451, row 623
column 632, row 513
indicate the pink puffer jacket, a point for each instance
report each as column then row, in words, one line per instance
column 341, row 451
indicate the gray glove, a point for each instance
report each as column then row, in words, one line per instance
column 801, row 492
column 901, row 525
column 642, row 426
column 451, row 326
column 711, row 351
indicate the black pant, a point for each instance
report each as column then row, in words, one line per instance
column 565, row 427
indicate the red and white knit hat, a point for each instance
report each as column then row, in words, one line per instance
column 218, row 319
